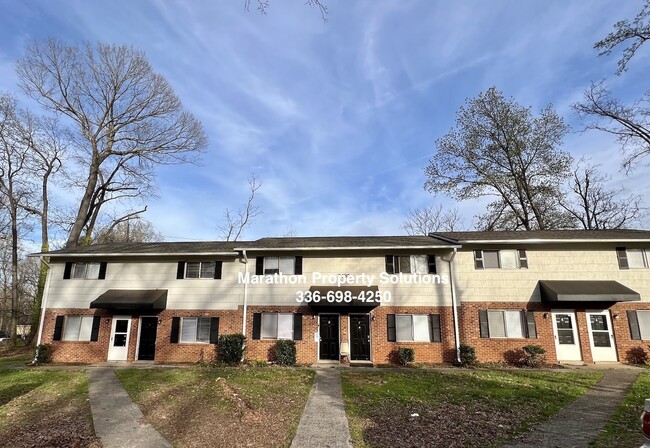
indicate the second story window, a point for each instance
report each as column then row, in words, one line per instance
column 501, row 259
column 85, row 270
column 632, row 258
column 278, row 265
column 199, row 269
column 411, row 264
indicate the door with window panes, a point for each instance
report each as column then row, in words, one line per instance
column 601, row 336
column 567, row 343
column 119, row 343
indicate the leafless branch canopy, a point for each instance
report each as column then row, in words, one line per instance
column 235, row 222
column 263, row 6
column 634, row 33
column 127, row 118
column 498, row 149
column 433, row 218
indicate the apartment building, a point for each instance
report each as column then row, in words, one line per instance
column 582, row 295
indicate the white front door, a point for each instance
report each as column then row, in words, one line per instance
column 567, row 343
column 601, row 336
column 118, row 349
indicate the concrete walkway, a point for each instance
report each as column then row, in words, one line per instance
column 116, row 418
column 323, row 422
column 581, row 421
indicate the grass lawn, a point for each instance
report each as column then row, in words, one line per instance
column 454, row 409
column 205, row 406
column 41, row 408
column 624, row 428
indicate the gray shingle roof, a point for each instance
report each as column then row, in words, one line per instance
column 339, row 242
column 564, row 235
column 199, row 247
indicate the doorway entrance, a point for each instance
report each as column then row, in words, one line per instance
column 118, row 349
column 360, row 337
column 601, row 336
column 148, row 333
column 567, row 343
column 329, row 337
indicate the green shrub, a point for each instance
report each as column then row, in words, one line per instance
column 230, row 348
column 405, row 355
column 285, row 353
column 534, row 355
column 467, row 355
column 637, row 356
column 43, row 354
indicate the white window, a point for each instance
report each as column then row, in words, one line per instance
column 277, row 326
column 279, row 265
column 505, row 324
column 77, row 328
column 412, row 264
column 413, row 327
column 644, row 324
column 200, row 269
column 85, row 270
column 195, row 329
column 501, row 259
column 636, row 258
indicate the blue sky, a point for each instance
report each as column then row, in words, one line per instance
column 338, row 118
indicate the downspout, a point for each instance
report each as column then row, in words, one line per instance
column 454, row 304
column 46, row 291
column 245, row 257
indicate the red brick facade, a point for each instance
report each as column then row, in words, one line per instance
column 487, row 349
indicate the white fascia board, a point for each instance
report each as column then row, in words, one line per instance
column 135, row 254
column 543, row 241
column 288, row 249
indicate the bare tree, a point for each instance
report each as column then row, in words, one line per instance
column 433, row 218
column 629, row 123
column 235, row 222
column 635, row 33
column 130, row 230
column 127, row 120
column 596, row 207
column 498, row 149
column 14, row 187
column 263, row 6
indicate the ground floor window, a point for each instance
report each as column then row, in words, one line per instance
column 78, row 328
column 513, row 324
column 413, row 328
column 639, row 324
column 277, row 326
column 195, row 329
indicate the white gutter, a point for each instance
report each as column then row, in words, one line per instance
column 281, row 249
column 454, row 305
column 46, row 292
column 132, row 254
column 555, row 241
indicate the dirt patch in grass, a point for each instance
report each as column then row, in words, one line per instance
column 48, row 409
column 442, row 425
column 238, row 407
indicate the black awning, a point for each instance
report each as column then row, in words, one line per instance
column 586, row 291
column 328, row 299
column 132, row 299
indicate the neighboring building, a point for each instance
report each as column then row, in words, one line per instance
column 582, row 295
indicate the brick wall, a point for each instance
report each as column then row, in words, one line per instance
column 77, row 352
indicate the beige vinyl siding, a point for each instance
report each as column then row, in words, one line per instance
column 595, row 261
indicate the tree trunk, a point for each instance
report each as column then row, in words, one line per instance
column 14, row 269
column 84, row 206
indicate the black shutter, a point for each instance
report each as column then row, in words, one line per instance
column 478, row 259
column 621, row 254
column 180, row 271
column 391, row 330
column 530, row 324
column 257, row 324
column 94, row 333
column 218, row 267
column 434, row 321
column 432, row 264
column 633, row 321
column 68, row 270
column 298, row 267
column 214, row 330
column 176, row 326
column 102, row 270
column 58, row 328
column 483, row 323
column 523, row 259
column 297, row 327
column 259, row 266
column 390, row 264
